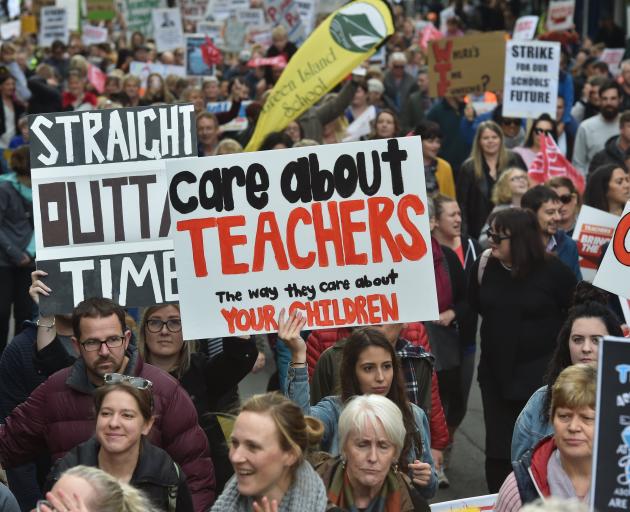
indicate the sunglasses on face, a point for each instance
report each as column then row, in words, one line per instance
column 511, row 122
column 540, row 131
column 566, row 198
column 496, row 238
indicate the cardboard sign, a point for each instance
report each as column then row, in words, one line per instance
column 28, row 23
column 138, row 14
column 100, row 10
column 466, row 64
column 525, row 28
column 197, row 62
column 287, row 14
column 594, row 229
column 143, row 69
column 610, row 473
column 100, row 206
column 613, row 57
column 560, row 15
column 339, row 232
column 53, row 26
column 614, row 272
column 167, row 29
column 530, row 86
column 118, row 135
column 93, row 35
column 10, row 30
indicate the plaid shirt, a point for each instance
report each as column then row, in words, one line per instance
column 407, row 352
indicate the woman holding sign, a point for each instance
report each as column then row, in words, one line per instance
column 369, row 366
column 560, row 465
column 522, row 295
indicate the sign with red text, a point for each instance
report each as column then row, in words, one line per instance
column 613, row 57
column 560, row 15
column 593, row 230
column 614, row 272
column 338, row 232
column 467, row 64
column 525, row 28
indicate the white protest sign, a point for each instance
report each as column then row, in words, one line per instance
column 613, row 57
column 144, row 69
column 445, row 15
column 219, row 10
column 614, row 272
column 53, row 26
column 308, row 15
column 167, row 29
column 93, row 35
column 361, row 126
column 476, row 503
column 530, row 85
column 13, row 6
column 525, row 28
column 251, row 16
column 338, row 232
column 594, row 229
column 560, row 15
column 212, row 29
column 287, row 14
column 10, row 30
column 72, row 12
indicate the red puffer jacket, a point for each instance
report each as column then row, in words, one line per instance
column 59, row 415
column 415, row 333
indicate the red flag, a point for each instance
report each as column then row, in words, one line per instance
column 550, row 162
column 210, row 54
column 96, row 77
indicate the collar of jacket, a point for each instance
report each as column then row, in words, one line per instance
column 78, row 378
column 538, row 465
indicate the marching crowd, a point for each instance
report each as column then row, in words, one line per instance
column 107, row 410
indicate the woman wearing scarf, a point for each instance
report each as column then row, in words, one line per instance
column 365, row 476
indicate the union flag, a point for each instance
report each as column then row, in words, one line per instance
column 550, row 162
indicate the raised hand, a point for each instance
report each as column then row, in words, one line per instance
column 37, row 287
column 289, row 333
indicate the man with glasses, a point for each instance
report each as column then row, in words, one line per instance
column 398, row 83
column 546, row 204
column 614, row 151
column 59, row 413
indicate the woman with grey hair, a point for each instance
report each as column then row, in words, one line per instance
column 365, row 476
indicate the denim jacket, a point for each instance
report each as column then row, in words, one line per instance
column 328, row 411
column 529, row 428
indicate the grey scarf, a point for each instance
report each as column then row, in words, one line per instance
column 306, row 494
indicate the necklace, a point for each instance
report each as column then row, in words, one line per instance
column 508, row 268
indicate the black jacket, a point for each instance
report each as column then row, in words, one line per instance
column 46, row 98
column 473, row 194
column 611, row 154
column 19, row 110
column 16, row 229
column 156, row 474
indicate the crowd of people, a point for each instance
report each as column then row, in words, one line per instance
column 108, row 409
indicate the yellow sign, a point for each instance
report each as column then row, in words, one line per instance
column 339, row 44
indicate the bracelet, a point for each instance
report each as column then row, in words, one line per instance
column 293, row 364
column 39, row 324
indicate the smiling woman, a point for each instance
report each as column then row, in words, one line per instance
column 124, row 417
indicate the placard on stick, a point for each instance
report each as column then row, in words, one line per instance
column 610, row 471
column 467, row 64
column 100, row 207
column 614, row 272
column 338, row 232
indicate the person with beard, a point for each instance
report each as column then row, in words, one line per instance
column 594, row 132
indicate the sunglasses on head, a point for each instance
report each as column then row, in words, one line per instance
column 495, row 238
column 540, row 131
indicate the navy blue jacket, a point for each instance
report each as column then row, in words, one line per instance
column 567, row 252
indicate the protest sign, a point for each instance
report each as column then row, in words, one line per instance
column 338, row 232
column 138, row 15
column 212, row 29
column 10, row 30
column 338, row 45
column 167, row 29
column 235, row 125
column 361, row 126
column 100, row 10
column 260, row 35
column 610, row 470
column 234, row 35
column 118, row 135
column 287, row 14
column 614, row 272
column 525, row 28
column 560, row 15
column 466, row 64
column 219, row 10
column 308, row 14
column 72, row 13
column 104, row 229
column 198, row 62
column 53, row 26
column 251, row 17
column 96, row 77
column 193, row 12
column 445, row 15
column 28, row 24
column 93, row 35
column 594, row 229
column 13, row 8
column 613, row 57
column 143, row 69
column 279, row 61
column 530, row 85
column 477, row 503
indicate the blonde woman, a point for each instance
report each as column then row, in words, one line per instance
column 479, row 173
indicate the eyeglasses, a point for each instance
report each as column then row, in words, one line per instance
column 566, row 198
column 513, row 122
column 540, row 131
column 519, row 177
column 136, row 382
column 495, row 238
column 155, row 325
column 92, row 345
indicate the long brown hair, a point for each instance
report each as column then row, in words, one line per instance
column 357, row 342
column 477, row 154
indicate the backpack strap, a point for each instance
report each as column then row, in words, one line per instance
column 483, row 261
column 172, row 491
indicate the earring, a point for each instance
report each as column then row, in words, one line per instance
column 395, row 467
column 343, row 462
